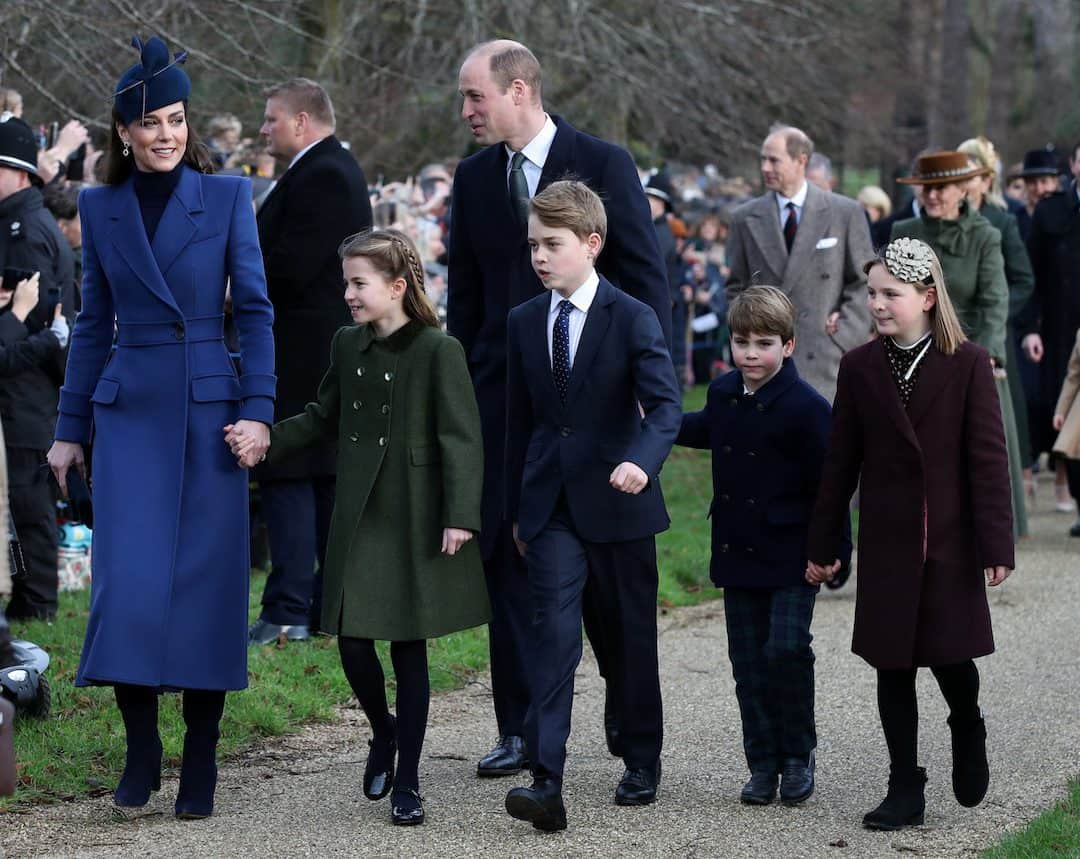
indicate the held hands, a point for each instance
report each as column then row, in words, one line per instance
column 248, row 441
column 628, row 478
column 818, row 573
column 996, row 575
column 453, row 539
column 62, row 455
column 832, row 323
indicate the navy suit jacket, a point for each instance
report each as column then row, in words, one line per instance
column 490, row 270
column 768, row 450
column 621, row 361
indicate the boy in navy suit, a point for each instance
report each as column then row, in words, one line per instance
column 593, row 409
column 767, row 430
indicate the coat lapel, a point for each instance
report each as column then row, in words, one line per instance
column 178, row 222
column 885, row 388
column 561, row 156
column 812, row 226
column 596, row 326
column 128, row 236
column 933, row 374
column 763, row 223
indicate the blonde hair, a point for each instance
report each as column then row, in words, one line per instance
column 982, row 152
column 873, row 197
column 762, row 310
column 944, row 323
column 393, row 254
column 303, row 95
column 572, row 205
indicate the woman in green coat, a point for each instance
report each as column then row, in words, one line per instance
column 969, row 248
column 401, row 564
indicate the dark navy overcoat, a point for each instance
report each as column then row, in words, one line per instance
column 170, row 553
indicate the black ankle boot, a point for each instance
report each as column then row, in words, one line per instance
column 198, row 772
column 904, row 804
column 971, row 771
column 142, row 767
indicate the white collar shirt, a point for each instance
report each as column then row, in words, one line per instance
column 304, row 152
column 799, row 199
column 581, row 300
column 536, row 153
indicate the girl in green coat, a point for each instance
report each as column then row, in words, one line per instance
column 401, row 562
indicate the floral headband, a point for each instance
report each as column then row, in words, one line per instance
column 909, row 260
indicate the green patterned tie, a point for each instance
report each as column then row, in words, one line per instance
column 519, row 187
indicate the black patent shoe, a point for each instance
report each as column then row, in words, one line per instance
column 379, row 769
column 904, row 804
column 406, row 807
column 611, row 725
column 541, row 805
column 797, row 780
column 638, row 786
column 760, row 789
column 509, row 757
column 264, row 632
column 971, row 771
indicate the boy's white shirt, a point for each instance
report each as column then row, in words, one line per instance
column 582, row 300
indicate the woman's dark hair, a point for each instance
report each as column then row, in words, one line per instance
column 117, row 168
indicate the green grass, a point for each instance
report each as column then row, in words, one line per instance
column 79, row 750
column 1054, row 833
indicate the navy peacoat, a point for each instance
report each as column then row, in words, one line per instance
column 934, row 504
column 767, row 451
column 169, row 596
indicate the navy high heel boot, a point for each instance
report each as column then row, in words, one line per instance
column 198, row 772
column 142, row 769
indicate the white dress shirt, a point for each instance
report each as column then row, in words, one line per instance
column 582, row 300
column 799, row 200
column 536, row 153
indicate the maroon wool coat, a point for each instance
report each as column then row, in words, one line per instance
column 935, row 505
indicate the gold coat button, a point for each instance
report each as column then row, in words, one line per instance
column 382, row 441
column 385, row 409
column 388, row 375
column 359, row 371
column 356, row 404
column 355, row 437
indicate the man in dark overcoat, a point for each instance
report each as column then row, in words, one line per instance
column 321, row 198
column 1054, row 248
column 490, row 273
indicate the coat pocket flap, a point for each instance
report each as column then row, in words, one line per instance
column 105, row 391
column 786, row 513
column 427, row 454
column 212, row 389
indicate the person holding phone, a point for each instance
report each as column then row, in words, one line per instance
column 38, row 274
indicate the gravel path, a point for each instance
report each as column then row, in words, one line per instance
column 301, row 796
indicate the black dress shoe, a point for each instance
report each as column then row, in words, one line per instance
column 904, row 804
column 971, row 772
column 611, row 725
column 638, row 786
column 509, row 757
column 797, row 780
column 264, row 632
column 406, row 807
column 541, row 805
column 761, row 789
column 379, row 770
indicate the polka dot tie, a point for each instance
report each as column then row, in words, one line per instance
column 560, row 349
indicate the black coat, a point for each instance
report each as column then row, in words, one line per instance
column 767, row 454
column 30, row 240
column 490, row 270
column 317, row 203
column 1054, row 248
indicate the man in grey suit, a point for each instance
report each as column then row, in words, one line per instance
column 811, row 244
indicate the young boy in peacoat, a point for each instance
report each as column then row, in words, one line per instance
column 593, row 409
column 767, row 430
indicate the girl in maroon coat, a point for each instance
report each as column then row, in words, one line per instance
column 917, row 423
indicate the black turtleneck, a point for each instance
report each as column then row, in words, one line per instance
column 153, row 190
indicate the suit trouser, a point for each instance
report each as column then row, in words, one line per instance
column 1072, row 472
column 621, row 580
column 297, row 515
column 769, row 639
column 33, row 509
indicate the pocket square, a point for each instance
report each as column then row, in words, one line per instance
column 828, row 242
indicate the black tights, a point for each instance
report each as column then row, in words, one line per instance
column 365, row 675
column 899, row 708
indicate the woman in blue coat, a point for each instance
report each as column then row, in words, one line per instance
column 168, row 607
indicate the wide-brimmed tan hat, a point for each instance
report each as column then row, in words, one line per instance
column 941, row 168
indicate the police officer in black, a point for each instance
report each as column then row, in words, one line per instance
column 31, row 241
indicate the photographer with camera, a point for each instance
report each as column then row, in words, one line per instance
column 34, row 256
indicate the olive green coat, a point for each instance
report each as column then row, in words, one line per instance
column 971, row 259
column 410, row 463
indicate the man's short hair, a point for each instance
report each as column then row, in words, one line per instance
column 572, row 205
column 511, row 61
column 796, row 141
column 762, row 310
column 820, row 162
column 222, row 123
column 303, row 95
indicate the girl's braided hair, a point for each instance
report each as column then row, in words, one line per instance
column 394, row 255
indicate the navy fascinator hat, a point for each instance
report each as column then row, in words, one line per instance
column 157, row 80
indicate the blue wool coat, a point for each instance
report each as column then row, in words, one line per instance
column 170, row 554
column 767, row 453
